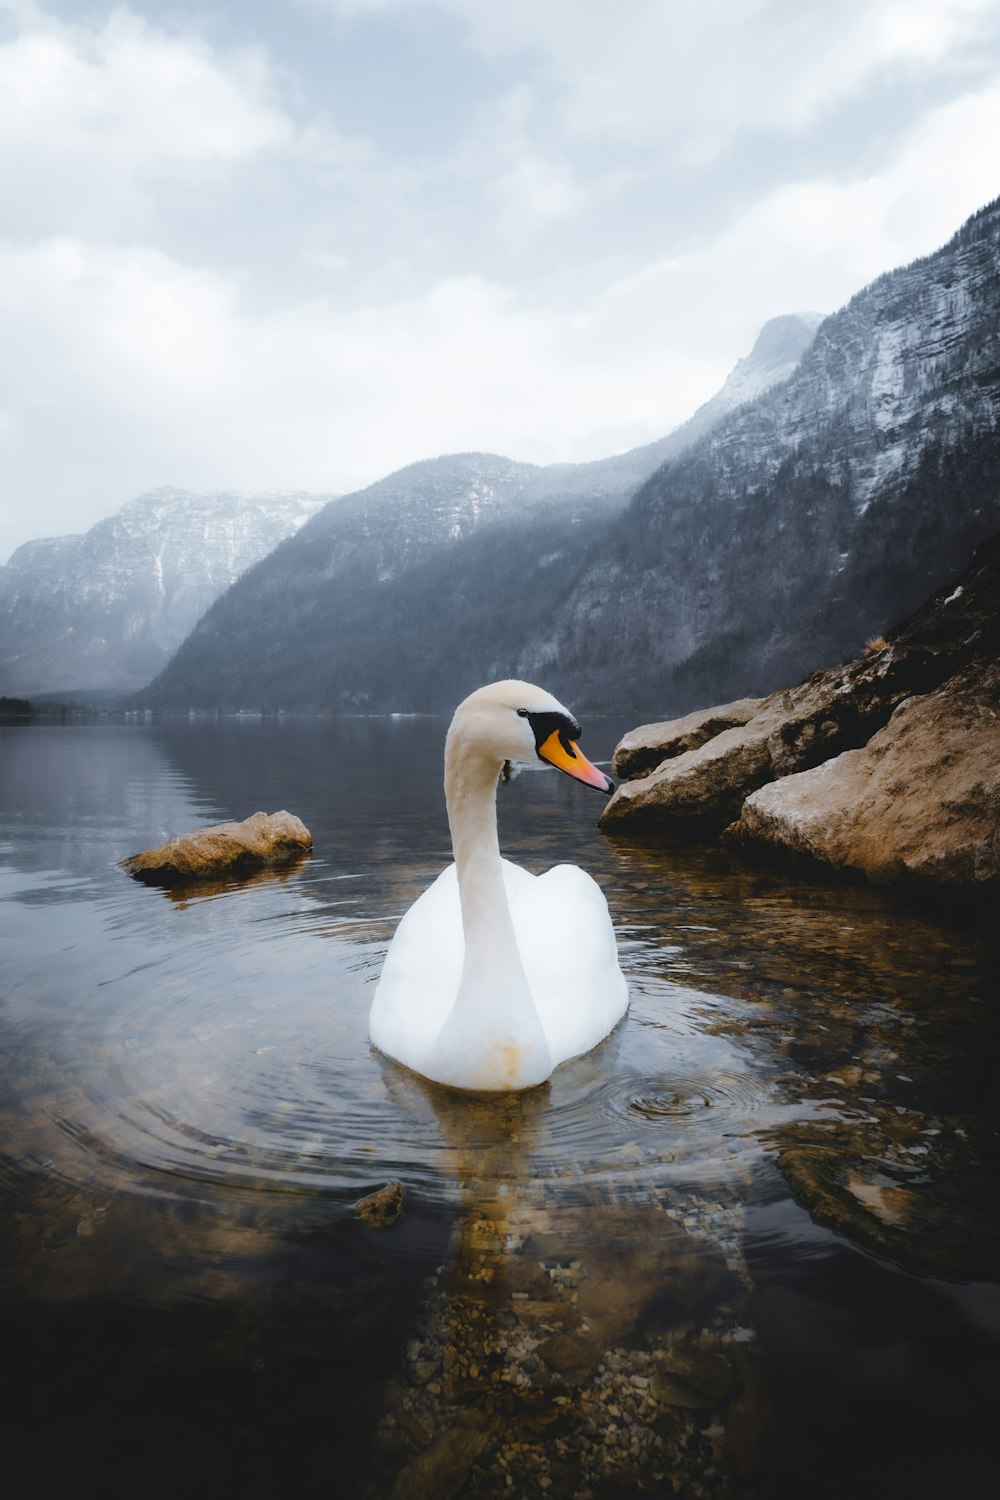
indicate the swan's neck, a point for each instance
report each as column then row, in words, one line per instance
column 493, row 1029
column 470, row 784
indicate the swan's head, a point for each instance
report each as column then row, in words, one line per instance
column 518, row 722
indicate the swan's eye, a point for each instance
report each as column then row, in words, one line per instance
column 545, row 724
column 522, row 713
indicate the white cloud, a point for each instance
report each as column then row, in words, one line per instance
column 123, row 365
column 139, row 351
column 812, row 244
column 525, row 187
column 126, row 94
column 148, row 354
column 694, row 79
column 330, row 261
column 109, row 125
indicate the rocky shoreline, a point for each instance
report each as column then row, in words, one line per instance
column 887, row 767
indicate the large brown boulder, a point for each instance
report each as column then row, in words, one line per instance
column 919, row 803
column 829, row 713
column 790, row 731
column 224, row 849
column 647, row 747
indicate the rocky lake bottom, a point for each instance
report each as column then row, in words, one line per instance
column 748, row 1247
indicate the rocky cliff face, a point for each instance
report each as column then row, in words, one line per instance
column 414, row 591
column 813, row 516
column 775, row 356
column 107, row 609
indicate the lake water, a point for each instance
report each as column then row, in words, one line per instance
column 747, row 1247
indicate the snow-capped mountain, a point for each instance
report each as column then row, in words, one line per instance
column 773, row 533
column 813, row 517
column 806, row 519
column 107, row 609
column 775, row 356
column 428, row 582
column 386, row 594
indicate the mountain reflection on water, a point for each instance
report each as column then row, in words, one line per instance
column 746, row 1247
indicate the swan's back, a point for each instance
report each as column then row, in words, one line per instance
column 567, row 947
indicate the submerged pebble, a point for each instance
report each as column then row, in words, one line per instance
column 381, row 1209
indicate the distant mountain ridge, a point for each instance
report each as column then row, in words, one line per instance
column 805, row 519
column 390, row 597
column 106, row 609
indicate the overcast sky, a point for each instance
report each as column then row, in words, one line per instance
column 299, row 243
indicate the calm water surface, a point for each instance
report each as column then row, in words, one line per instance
column 746, row 1247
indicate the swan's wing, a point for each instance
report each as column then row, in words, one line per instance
column 567, row 946
column 420, row 976
column 570, row 956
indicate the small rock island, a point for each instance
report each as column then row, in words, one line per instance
column 260, row 841
column 887, row 767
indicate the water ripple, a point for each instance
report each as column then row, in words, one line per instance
column 654, row 1098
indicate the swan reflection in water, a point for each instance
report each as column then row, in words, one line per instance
column 579, row 1326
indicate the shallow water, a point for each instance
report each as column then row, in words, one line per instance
column 746, row 1247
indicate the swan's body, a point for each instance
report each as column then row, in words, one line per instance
column 496, row 976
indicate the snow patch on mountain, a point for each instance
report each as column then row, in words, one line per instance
column 107, row 608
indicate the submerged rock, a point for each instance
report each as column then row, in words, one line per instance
column 223, row 849
column 886, row 766
column 568, row 1355
column 440, row 1471
column 574, row 1344
column 925, row 1232
column 688, row 1375
column 382, row 1208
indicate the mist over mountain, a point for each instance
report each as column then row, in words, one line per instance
column 428, row 582
column 106, row 609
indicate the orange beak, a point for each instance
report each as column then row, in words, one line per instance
column 567, row 756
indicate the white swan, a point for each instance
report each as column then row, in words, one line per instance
column 496, row 976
